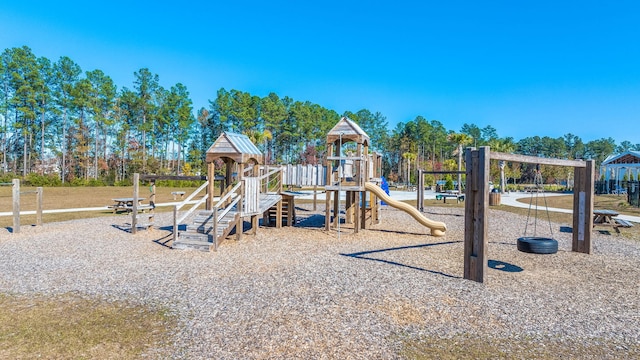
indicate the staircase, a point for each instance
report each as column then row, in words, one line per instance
column 200, row 234
column 208, row 228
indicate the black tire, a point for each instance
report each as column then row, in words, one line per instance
column 537, row 245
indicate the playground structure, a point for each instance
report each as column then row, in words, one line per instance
column 359, row 181
column 252, row 190
column 477, row 196
column 15, row 200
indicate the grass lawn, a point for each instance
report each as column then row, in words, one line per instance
column 78, row 197
column 69, row 327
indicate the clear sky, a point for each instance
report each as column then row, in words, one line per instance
column 527, row 68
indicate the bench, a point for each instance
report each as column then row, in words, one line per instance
column 176, row 193
column 445, row 196
column 623, row 223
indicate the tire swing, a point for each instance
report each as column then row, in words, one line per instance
column 535, row 244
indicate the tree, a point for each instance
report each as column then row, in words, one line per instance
column 505, row 145
column 146, row 85
column 66, row 75
column 102, row 101
column 473, row 132
column 460, row 140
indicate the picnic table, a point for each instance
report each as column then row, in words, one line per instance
column 450, row 194
column 604, row 217
column 178, row 193
column 126, row 204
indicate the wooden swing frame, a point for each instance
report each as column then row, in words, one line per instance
column 477, row 203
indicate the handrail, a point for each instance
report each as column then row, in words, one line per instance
column 190, row 211
column 274, row 171
column 227, row 209
column 177, row 207
column 185, row 201
column 231, row 192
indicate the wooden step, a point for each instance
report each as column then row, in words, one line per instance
column 190, row 244
column 186, row 235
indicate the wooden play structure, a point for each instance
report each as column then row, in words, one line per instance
column 359, row 210
column 476, row 205
column 248, row 190
column 359, row 180
column 16, row 201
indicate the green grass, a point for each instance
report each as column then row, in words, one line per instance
column 69, row 327
column 467, row 347
column 77, row 197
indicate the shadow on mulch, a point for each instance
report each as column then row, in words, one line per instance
column 504, row 266
column 362, row 255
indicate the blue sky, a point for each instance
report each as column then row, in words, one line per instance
column 542, row 68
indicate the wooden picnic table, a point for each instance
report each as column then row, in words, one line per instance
column 604, row 217
column 443, row 196
column 126, row 204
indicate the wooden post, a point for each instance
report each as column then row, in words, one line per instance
column 211, row 176
column 363, row 211
column 327, row 210
column 336, row 209
column 240, row 222
column 134, row 205
column 583, row 208
column 39, row 206
column 175, row 223
column 420, row 203
column 476, row 203
column 16, row 206
column 315, row 196
column 348, row 207
column 215, row 228
column 356, row 210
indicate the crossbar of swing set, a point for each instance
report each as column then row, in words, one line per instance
column 443, row 172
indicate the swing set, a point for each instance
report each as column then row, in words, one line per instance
column 477, row 203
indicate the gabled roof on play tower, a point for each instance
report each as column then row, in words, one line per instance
column 349, row 130
column 234, row 146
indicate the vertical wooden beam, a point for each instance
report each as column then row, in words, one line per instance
column 476, row 204
column 240, row 222
column 363, row 209
column 211, row 175
column 315, row 196
column 356, row 210
column 348, row 208
column 583, row 208
column 134, row 205
column 336, row 208
column 39, row 206
column 327, row 209
column 420, row 203
column 16, row 205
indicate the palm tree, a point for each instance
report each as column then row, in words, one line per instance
column 505, row 145
column 460, row 140
column 409, row 156
column 260, row 138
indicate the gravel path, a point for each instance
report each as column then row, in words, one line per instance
column 304, row 293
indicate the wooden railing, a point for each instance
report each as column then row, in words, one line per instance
column 218, row 215
column 271, row 181
column 177, row 207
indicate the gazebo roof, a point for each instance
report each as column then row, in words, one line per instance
column 627, row 157
column 237, row 147
column 349, row 131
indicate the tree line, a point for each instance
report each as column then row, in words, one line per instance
column 78, row 127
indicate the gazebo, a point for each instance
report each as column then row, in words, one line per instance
column 615, row 167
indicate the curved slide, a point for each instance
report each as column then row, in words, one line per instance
column 437, row 228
